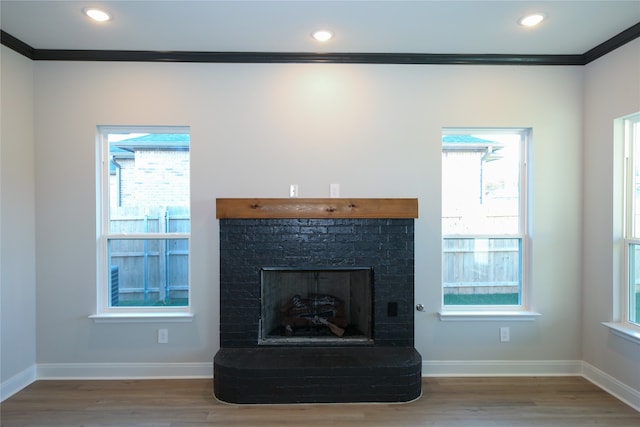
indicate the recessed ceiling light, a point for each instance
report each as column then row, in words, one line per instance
column 322, row 35
column 97, row 14
column 531, row 20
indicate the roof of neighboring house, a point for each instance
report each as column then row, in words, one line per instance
column 463, row 142
column 160, row 137
column 464, row 139
column 167, row 141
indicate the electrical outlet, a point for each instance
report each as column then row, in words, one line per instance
column 293, row 190
column 504, row 334
column 334, row 190
column 163, row 336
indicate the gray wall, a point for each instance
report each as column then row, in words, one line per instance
column 375, row 129
column 17, row 224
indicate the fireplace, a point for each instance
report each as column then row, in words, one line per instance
column 348, row 268
column 316, row 306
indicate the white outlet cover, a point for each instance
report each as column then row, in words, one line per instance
column 334, row 190
column 293, row 190
column 504, row 334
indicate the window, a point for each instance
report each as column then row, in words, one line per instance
column 484, row 218
column 144, row 219
column 631, row 286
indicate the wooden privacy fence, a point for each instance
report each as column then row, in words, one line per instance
column 152, row 270
column 481, row 266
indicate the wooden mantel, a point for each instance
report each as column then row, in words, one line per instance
column 316, row 208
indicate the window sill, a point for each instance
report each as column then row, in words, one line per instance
column 623, row 331
column 142, row 317
column 488, row 315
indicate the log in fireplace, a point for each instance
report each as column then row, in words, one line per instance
column 316, row 301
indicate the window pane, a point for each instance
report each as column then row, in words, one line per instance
column 632, row 287
column 634, row 283
column 148, row 183
column 166, row 219
column 482, row 271
column 634, row 140
column 481, row 184
column 148, row 272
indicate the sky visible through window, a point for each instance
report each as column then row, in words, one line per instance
column 481, row 185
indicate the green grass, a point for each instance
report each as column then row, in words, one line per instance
column 481, row 299
column 504, row 299
column 174, row 302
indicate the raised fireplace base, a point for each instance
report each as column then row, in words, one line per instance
column 317, row 374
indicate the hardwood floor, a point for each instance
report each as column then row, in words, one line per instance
column 462, row 402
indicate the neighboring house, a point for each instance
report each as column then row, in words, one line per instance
column 150, row 170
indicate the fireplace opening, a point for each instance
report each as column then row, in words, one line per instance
column 307, row 306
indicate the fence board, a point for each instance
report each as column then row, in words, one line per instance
column 153, row 269
column 481, row 263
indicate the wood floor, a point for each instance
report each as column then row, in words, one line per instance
column 463, row 402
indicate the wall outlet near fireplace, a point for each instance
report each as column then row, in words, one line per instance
column 293, row 190
column 163, row 336
column 392, row 309
column 334, row 190
column 504, row 334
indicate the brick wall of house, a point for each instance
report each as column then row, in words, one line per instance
column 155, row 178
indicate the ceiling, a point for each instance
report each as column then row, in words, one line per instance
column 435, row 27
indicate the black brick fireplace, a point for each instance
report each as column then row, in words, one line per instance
column 376, row 363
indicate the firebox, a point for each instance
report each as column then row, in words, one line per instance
column 316, row 306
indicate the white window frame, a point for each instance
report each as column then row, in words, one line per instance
column 104, row 312
column 520, row 311
column 623, row 134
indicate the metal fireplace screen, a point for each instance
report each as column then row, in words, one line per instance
column 306, row 306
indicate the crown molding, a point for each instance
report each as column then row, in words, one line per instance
column 17, row 45
column 613, row 43
column 301, row 57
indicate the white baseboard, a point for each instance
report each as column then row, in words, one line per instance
column 16, row 383
column 430, row 368
column 496, row 368
column 99, row 371
column 611, row 385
